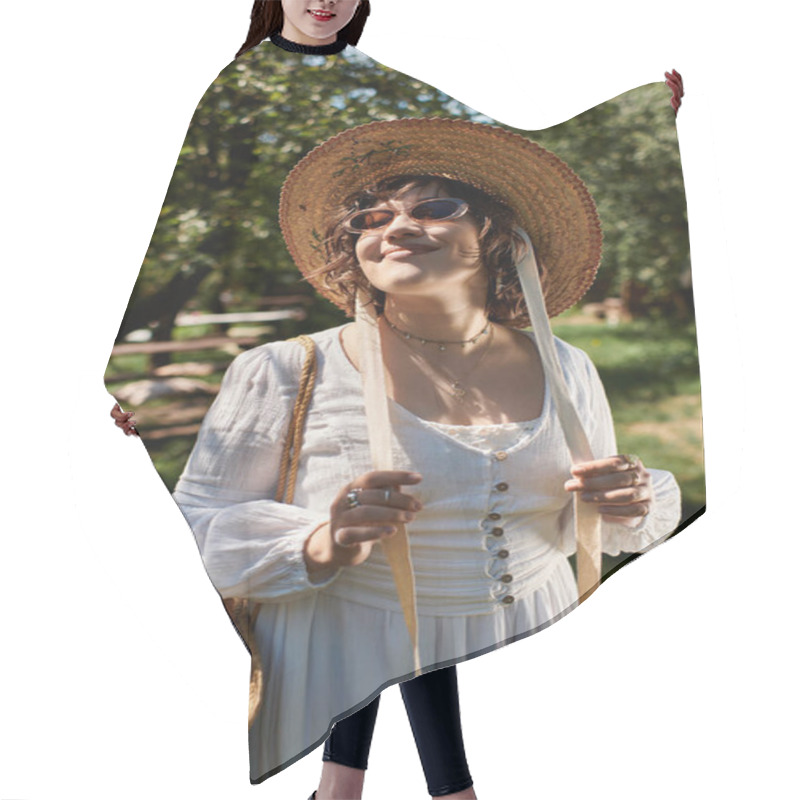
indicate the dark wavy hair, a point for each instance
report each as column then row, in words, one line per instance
column 501, row 247
column 266, row 19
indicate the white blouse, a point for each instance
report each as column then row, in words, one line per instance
column 488, row 549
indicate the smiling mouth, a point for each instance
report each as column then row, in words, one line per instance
column 323, row 16
column 407, row 251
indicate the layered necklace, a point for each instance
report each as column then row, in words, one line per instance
column 441, row 344
column 455, row 385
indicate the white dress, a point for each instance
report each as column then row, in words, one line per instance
column 489, row 548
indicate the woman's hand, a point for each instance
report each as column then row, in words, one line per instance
column 364, row 512
column 620, row 484
column 124, row 420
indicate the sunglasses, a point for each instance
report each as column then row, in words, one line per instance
column 436, row 209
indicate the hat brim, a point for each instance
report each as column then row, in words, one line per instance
column 549, row 200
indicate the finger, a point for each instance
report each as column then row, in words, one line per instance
column 376, row 515
column 631, row 494
column 386, row 479
column 602, row 466
column 389, row 499
column 123, row 416
column 613, row 480
column 354, row 535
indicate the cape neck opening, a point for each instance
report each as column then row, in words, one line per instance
column 308, row 49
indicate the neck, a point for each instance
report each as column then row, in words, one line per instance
column 292, row 46
column 437, row 321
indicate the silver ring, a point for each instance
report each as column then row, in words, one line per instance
column 386, row 495
column 352, row 498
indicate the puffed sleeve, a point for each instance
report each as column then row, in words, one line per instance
column 592, row 404
column 252, row 546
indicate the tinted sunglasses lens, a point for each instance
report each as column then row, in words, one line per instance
column 371, row 219
column 438, row 208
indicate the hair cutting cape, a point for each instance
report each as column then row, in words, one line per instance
column 492, row 556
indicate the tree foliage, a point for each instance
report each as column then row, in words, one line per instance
column 218, row 234
column 626, row 151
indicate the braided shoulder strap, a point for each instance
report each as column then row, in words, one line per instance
column 243, row 612
column 290, row 457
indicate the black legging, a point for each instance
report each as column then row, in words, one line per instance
column 432, row 707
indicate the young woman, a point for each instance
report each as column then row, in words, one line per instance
column 424, row 226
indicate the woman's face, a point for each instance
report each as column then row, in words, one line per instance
column 315, row 22
column 408, row 257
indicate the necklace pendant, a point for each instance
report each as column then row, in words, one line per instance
column 442, row 347
column 459, row 392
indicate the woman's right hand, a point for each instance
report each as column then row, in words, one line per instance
column 124, row 420
column 365, row 511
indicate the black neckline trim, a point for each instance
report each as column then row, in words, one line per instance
column 309, row 49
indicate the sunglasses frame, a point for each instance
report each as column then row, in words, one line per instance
column 462, row 207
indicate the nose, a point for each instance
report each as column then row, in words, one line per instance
column 402, row 225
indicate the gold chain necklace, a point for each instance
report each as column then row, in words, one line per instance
column 456, row 386
column 442, row 344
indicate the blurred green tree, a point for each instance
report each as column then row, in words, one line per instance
column 626, row 151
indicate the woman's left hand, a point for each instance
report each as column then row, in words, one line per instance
column 124, row 420
column 620, row 485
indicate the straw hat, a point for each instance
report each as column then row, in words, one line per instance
column 550, row 201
